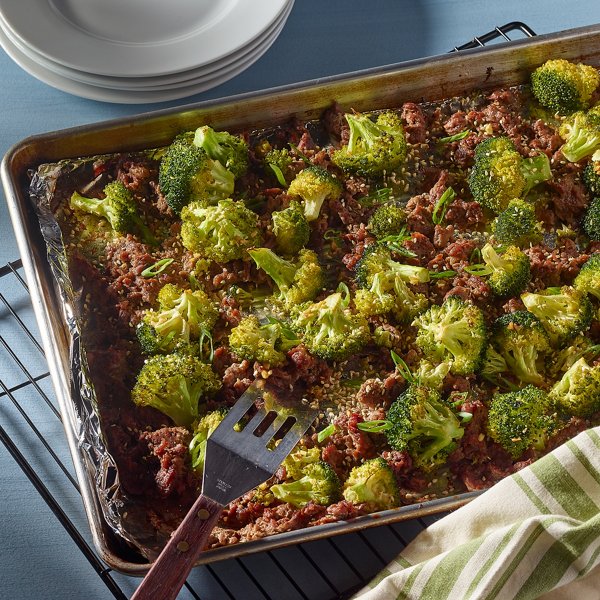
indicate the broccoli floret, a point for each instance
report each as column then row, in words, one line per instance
column 588, row 278
column 591, row 220
column 298, row 281
column 372, row 483
column 500, row 174
column 174, row 384
column 320, row 485
column 315, row 185
column 564, row 313
column 563, row 86
column 118, row 207
column 388, row 219
column 202, row 431
column 581, row 132
column 252, row 341
column 517, row 225
column 330, row 329
column 182, row 316
column 374, row 147
column 562, row 360
column 578, row 391
column 521, row 420
column 453, row 331
column 431, row 376
column 511, row 271
column 187, row 174
column 280, row 162
column 290, row 228
column 591, row 175
column 220, row 233
column 424, row 425
column 230, row 150
column 297, row 461
column 493, row 364
column 383, row 285
column 522, row 341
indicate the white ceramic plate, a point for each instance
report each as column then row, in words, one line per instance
column 138, row 38
column 161, row 83
column 103, row 94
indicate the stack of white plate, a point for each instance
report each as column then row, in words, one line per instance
column 138, row 51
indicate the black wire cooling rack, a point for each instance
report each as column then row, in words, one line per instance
column 320, row 570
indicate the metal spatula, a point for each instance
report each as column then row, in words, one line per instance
column 236, row 461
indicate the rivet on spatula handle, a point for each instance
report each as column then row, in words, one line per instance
column 170, row 570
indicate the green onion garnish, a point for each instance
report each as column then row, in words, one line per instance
column 157, row 268
column 378, row 426
column 279, row 174
column 402, row 367
column 454, row 138
column 300, row 153
column 325, row 433
column 441, row 206
column 441, row 274
column 465, row 416
column 481, row 270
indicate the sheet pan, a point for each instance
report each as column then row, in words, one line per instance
column 425, row 79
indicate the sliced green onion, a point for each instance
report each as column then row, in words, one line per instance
column 343, row 289
column 460, row 398
column 352, row 383
column 455, row 138
column 465, row 417
column 279, row 174
column 394, row 242
column 378, row 426
column 206, row 335
column 402, row 367
column 332, row 234
column 441, row 206
column 475, row 256
column 157, row 268
column 441, row 274
column 379, row 196
column 480, row 269
column 300, row 153
column 325, row 433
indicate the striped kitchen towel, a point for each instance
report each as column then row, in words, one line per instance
column 535, row 534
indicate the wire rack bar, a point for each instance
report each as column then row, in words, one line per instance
column 359, row 556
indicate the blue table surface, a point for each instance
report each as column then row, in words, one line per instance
column 37, row 558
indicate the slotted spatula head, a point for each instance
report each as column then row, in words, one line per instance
column 239, row 457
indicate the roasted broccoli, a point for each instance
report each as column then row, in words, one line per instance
column 329, row 328
column 517, row 225
column 521, row 420
column 564, row 313
column 388, row 219
column 522, row 342
column 319, row 484
column 591, row 175
column 453, row 331
column 424, row 425
column 581, row 132
column 563, row 86
column 252, row 341
column 562, row 360
column 299, row 459
column 182, row 316
column 383, row 285
column 493, row 365
column 290, row 228
column 431, row 376
column 298, row 281
column 187, row 174
column 118, row 207
column 230, row 150
column 220, row 233
column 174, row 384
column 372, row 483
column 591, row 220
column 280, row 162
column 511, row 271
column 578, row 391
column 500, row 174
column 315, row 185
column 202, row 431
column 588, row 278
column 374, row 147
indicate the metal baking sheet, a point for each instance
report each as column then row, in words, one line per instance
column 425, row 79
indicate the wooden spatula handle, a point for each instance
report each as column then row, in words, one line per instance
column 170, row 570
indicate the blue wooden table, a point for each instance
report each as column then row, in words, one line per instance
column 38, row 556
